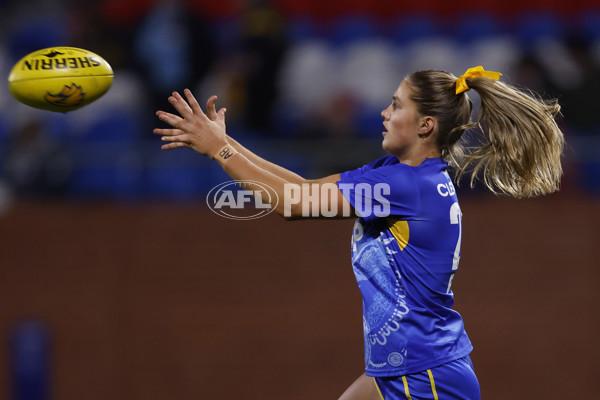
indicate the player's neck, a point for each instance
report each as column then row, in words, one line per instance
column 417, row 157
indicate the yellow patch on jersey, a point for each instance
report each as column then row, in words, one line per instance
column 400, row 231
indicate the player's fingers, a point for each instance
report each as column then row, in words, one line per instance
column 192, row 100
column 181, row 105
column 171, row 119
column 167, row 132
column 221, row 114
column 174, row 145
column 193, row 103
column 178, row 138
column 211, row 111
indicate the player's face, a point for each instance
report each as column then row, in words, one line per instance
column 400, row 120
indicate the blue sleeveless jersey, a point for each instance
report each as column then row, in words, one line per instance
column 405, row 251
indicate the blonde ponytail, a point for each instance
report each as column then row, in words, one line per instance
column 521, row 148
column 522, row 156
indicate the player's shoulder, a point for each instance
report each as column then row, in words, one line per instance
column 429, row 167
column 429, row 164
column 432, row 165
column 383, row 161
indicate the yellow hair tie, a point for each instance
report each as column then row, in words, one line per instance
column 475, row 72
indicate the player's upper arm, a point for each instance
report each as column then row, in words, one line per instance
column 319, row 198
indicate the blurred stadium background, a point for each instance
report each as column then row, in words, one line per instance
column 117, row 282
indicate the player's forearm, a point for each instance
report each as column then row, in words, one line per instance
column 320, row 198
column 255, row 178
column 275, row 169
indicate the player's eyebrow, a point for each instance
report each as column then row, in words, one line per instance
column 396, row 99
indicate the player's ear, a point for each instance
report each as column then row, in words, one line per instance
column 426, row 126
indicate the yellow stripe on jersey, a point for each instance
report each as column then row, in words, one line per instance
column 400, row 231
column 378, row 391
column 435, row 396
column 406, row 392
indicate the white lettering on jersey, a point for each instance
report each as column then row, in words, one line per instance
column 446, row 189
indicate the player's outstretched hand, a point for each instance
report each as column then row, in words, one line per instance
column 211, row 110
column 204, row 133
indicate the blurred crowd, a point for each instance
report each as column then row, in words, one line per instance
column 303, row 82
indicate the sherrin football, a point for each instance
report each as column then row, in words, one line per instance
column 60, row 78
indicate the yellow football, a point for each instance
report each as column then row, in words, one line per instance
column 60, row 78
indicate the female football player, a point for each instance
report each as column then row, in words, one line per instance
column 407, row 236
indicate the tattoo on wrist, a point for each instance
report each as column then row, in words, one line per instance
column 225, row 152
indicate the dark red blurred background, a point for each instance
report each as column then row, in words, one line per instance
column 164, row 302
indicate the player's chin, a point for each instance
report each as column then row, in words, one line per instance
column 385, row 145
column 390, row 147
